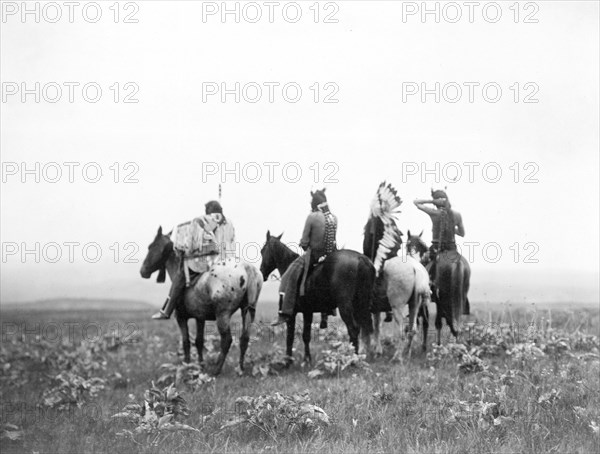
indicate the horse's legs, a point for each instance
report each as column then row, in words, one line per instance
column 185, row 338
column 245, row 336
column 414, row 305
column 376, row 333
column 424, row 314
column 455, row 326
column 438, row 324
column 291, row 328
column 199, row 338
column 398, row 321
column 351, row 325
column 308, row 317
column 223, row 325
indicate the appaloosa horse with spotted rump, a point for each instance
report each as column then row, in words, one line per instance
column 215, row 295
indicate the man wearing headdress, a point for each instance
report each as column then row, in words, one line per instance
column 208, row 239
column 318, row 240
column 446, row 224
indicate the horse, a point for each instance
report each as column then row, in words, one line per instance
column 216, row 295
column 402, row 281
column 343, row 280
column 451, row 286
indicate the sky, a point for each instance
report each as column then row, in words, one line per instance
column 532, row 228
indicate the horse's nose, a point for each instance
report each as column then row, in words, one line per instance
column 144, row 274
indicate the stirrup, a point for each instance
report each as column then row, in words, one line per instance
column 160, row 315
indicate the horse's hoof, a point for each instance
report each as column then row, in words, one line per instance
column 288, row 361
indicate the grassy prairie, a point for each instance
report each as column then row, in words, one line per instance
column 526, row 380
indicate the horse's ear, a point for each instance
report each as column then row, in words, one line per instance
column 408, row 233
column 268, row 235
column 159, row 233
column 324, row 189
column 421, row 234
column 279, row 237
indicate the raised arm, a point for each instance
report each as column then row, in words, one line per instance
column 421, row 205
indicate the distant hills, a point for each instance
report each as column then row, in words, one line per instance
column 65, row 304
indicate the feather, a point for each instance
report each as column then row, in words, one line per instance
column 385, row 206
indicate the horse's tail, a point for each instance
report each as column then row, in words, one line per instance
column 253, row 288
column 458, row 290
column 364, row 294
column 466, row 285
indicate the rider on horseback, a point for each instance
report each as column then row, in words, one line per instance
column 211, row 238
column 446, row 224
column 318, row 240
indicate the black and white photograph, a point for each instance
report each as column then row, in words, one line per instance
column 312, row 226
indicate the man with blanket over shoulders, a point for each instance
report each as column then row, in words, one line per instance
column 200, row 243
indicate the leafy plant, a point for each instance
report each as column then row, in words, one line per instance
column 71, row 389
column 189, row 375
column 338, row 358
column 279, row 415
column 269, row 363
column 11, row 432
column 157, row 417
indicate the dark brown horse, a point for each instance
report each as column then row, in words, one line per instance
column 451, row 286
column 216, row 295
column 343, row 280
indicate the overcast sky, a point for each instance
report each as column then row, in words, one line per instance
column 371, row 59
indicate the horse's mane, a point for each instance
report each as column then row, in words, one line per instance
column 385, row 234
column 285, row 249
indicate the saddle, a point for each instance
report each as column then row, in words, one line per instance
column 309, row 266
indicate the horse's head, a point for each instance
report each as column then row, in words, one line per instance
column 416, row 245
column 268, row 263
column 158, row 254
